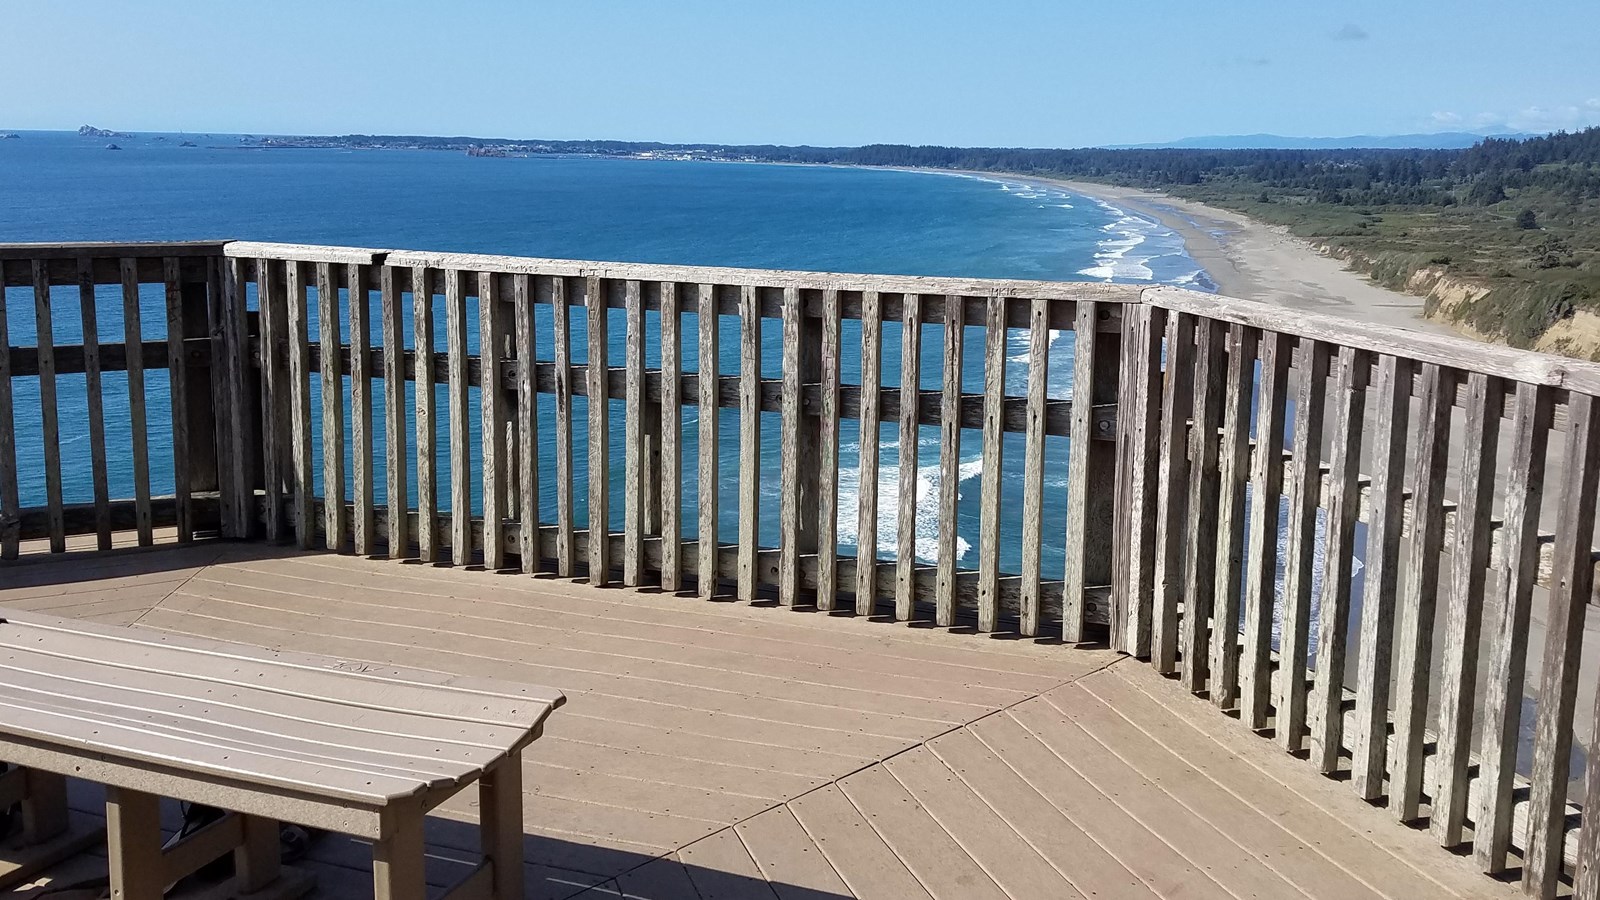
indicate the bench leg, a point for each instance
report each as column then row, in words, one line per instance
column 44, row 806
column 133, row 838
column 397, row 872
column 256, row 860
column 500, row 808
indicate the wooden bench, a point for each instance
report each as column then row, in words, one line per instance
column 270, row 737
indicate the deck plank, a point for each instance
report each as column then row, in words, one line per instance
column 722, row 869
column 932, row 855
column 788, row 859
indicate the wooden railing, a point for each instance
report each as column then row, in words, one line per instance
column 438, row 407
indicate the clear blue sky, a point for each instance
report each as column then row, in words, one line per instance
column 996, row 73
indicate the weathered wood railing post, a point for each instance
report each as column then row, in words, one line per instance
column 200, row 436
column 808, row 442
column 235, row 329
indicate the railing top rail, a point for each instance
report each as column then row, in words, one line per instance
column 914, row 284
column 1420, row 346
column 105, row 249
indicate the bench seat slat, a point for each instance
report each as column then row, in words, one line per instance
column 97, row 738
column 354, row 683
column 198, row 720
column 271, row 711
column 167, row 728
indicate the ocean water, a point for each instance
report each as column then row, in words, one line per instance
column 60, row 187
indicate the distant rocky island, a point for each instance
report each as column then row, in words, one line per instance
column 501, row 148
column 10, row 136
column 91, row 131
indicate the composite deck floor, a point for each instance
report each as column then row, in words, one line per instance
column 718, row 750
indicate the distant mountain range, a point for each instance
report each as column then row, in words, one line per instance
column 1444, row 140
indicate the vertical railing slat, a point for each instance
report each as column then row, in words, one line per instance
column 1414, row 640
column 49, row 417
column 1510, row 608
column 362, row 525
column 427, row 427
column 1033, row 464
column 1305, row 492
column 492, row 424
column 910, row 396
column 1172, row 480
column 710, row 389
column 527, row 428
column 456, row 402
column 955, row 321
column 1343, row 504
column 671, row 438
column 238, row 405
column 1369, row 742
column 828, row 457
column 335, row 522
column 1200, row 551
column 272, row 312
column 1261, row 554
column 789, row 474
column 598, row 377
column 560, row 312
column 1075, row 573
column 1144, row 333
column 299, row 403
column 633, row 454
column 1233, row 473
column 867, row 489
column 749, row 439
column 1469, row 563
column 95, row 406
column 10, row 495
column 394, row 414
column 1572, row 583
column 994, row 387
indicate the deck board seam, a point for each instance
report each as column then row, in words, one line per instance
column 179, row 586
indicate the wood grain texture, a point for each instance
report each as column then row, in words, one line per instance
column 1200, row 539
column 299, row 405
column 910, row 392
column 424, row 341
column 94, row 403
column 634, row 452
column 1085, row 363
column 10, row 498
column 1469, row 564
column 560, row 311
column 49, row 416
column 1232, row 476
column 867, row 490
column 527, row 424
column 1511, row 607
column 994, row 386
column 1305, row 495
column 599, row 430
column 1143, row 443
column 243, row 409
column 492, row 422
column 749, row 440
column 395, row 456
column 272, row 301
column 1261, row 553
column 955, row 328
column 710, row 328
column 1033, row 465
column 789, row 438
column 459, row 409
column 363, row 530
column 1369, row 740
column 671, row 440
column 1326, row 712
column 828, row 456
column 1559, row 672
column 1414, row 639
column 335, row 525
column 1172, row 482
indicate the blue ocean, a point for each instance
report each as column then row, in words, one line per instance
column 62, row 187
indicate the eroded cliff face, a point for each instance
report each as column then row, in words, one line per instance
column 1448, row 295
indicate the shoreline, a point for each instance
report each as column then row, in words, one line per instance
column 1251, row 260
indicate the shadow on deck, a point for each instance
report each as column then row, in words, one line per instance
column 715, row 750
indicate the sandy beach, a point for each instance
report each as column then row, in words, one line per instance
column 1256, row 261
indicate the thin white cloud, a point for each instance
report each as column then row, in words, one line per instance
column 1351, row 32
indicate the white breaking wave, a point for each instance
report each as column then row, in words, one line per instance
column 928, row 483
column 1116, row 258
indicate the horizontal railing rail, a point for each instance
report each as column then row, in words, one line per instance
column 1049, row 458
